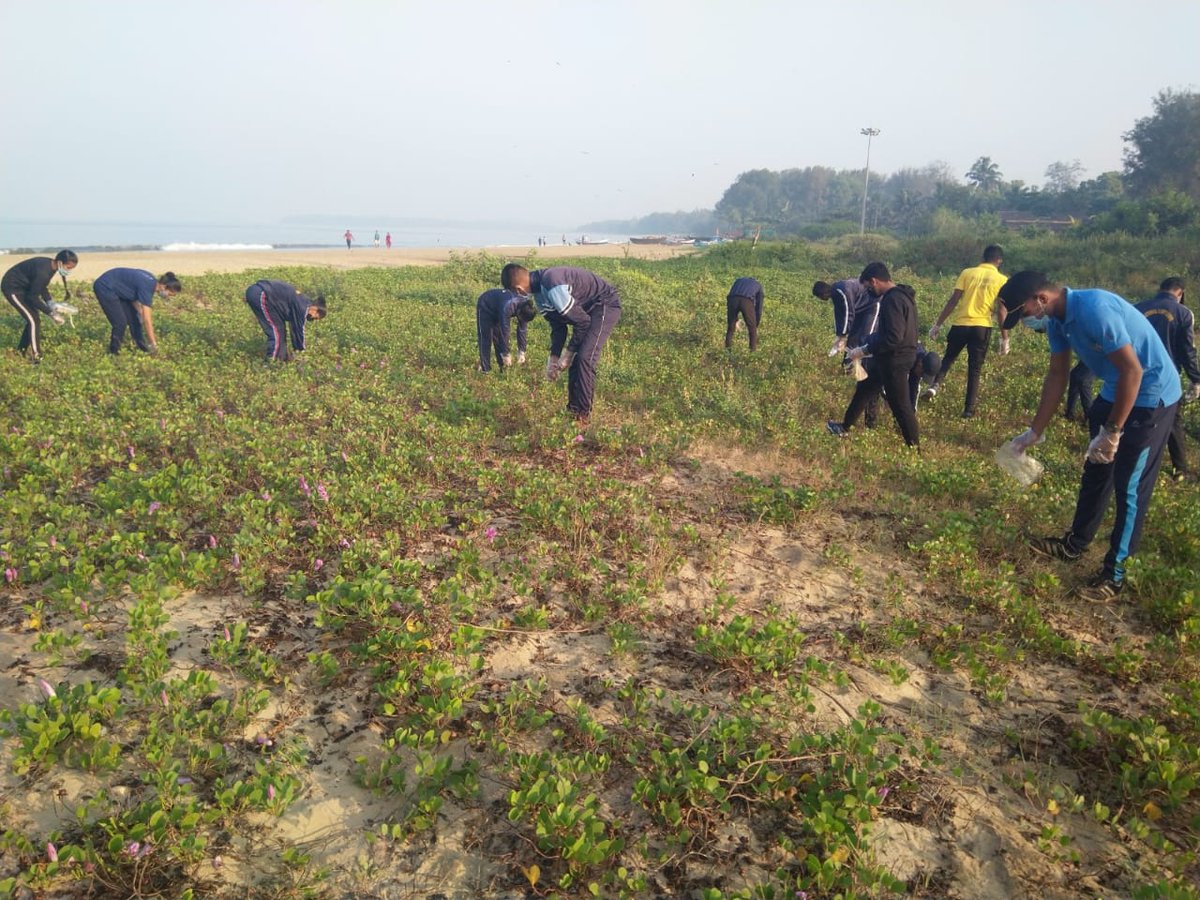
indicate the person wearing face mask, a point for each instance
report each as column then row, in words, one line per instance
column 1174, row 325
column 1129, row 421
column 893, row 347
column 127, row 297
column 567, row 296
column 855, row 318
column 494, row 312
column 26, row 287
column 276, row 305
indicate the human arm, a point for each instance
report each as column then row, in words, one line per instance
column 945, row 313
column 146, row 314
column 558, row 335
column 843, row 313
column 1054, row 385
column 1186, row 351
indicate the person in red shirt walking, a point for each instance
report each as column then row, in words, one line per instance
column 349, row 238
column 388, row 240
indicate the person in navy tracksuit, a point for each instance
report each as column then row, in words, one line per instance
column 587, row 303
column 26, row 286
column 276, row 305
column 745, row 299
column 494, row 312
column 855, row 319
column 1174, row 323
column 127, row 297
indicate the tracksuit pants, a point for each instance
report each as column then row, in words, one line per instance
column 976, row 339
column 581, row 378
column 122, row 316
column 1175, row 446
column 750, row 312
column 31, row 336
column 276, row 331
column 1131, row 475
column 889, row 375
column 1079, row 390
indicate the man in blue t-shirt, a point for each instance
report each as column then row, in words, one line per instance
column 1129, row 421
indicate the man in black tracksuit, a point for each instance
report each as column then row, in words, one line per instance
column 494, row 312
column 26, row 286
column 894, row 350
column 276, row 305
column 855, row 318
column 1174, row 324
column 567, row 296
column 745, row 299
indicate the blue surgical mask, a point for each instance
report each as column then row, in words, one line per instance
column 1036, row 323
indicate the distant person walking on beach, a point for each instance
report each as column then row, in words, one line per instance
column 349, row 238
column 589, row 305
column 26, row 287
column 971, row 311
column 494, row 312
column 127, row 297
column 388, row 239
column 745, row 299
column 376, row 237
column 277, row 304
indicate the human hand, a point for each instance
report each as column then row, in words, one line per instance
column 839, row 346
column 1103, row 448
column 552, row 368
column 934, row 330
column 57, row 319
column 856, row 353
column 568, row 357
column 1026, row 439
column 1193, row 393
column 506, row 360
column 1004, row 348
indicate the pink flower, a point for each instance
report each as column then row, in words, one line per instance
column 220, row 413
column 322, row 493
column 47, row 688
column 212, row 542
column 270, row 792
column 10, row 574
column 154, row 507
column 237, row 561
column 304, row 488
column 83, row 607
column 165, row 700
column 129, row 449
column 345, row 458
column 266, row 495
column 228, row 637
column 132, row 848
column 883, row 792
column 579, row 438
column 491, row 533
column 344, row 543
column 51, row 852
column 318, row 565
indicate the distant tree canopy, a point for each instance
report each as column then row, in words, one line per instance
column 985, row 175
column 1164, row 148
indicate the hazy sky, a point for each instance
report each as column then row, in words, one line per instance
column 554, row 112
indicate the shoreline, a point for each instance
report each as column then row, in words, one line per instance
column 200, row 262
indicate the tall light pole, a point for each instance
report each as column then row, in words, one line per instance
column 868, row 133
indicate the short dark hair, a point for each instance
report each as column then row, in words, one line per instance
column 993, row 253
column 66, row 256
column 527, row 311
column 170, row 281
column 318, row 304
column 1021, row 287
column 823, row 290
column 508, row 273
column 875, row 270
column 1174, row 283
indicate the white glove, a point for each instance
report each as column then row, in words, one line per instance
column 57, row 319
column 552, row 368
column 568, row 357
column 520, row 357
column 506, row 360
column 839, row 346
column 1103, row 448
column 856, row 353
column 1193, row 392
column 1026, row 439
column 52, row 306
column 934, row 330
column 1004, row 343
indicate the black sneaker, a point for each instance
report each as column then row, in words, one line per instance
column 836, row 428
column 1101, row 589
column 1055, row 547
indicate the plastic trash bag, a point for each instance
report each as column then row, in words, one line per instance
column 1019, row 464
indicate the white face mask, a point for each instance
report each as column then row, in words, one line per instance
column 63, row 271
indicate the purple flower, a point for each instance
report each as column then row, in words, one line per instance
column 322, row 493
column 183, row 779
column 237, row 562
column 344, row 543
column 491, row 533
column 132, row 848
column 154, row 507
column 579, row 438
column 304, row 488
column 129, row 449
column 51, row 852
column 266, row 495
column 318, row 565
column 83, row 607
column 10, row 574
column 883, row 792
column 47, row 688
column 270, row 792
column 212, row 542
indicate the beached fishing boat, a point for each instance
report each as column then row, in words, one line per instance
column 650, row 239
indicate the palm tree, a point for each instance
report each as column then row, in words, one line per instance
column 985, row 175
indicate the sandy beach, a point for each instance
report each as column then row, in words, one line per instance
column 198, row 262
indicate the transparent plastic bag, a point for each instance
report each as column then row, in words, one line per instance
column 1019, row 464
column 860, row 372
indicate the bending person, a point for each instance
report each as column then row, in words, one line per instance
column 26, row 287
column 276, row 305
column 567, row 296
column 127, row 297
column 494, row 312
column 745, row 299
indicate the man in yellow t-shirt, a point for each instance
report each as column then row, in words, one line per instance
column 971, row 310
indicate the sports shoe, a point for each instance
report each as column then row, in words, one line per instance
column 968, row 414
column 1055, row 547
column 836, row 428
column 1100, row 589
column 930, row 392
